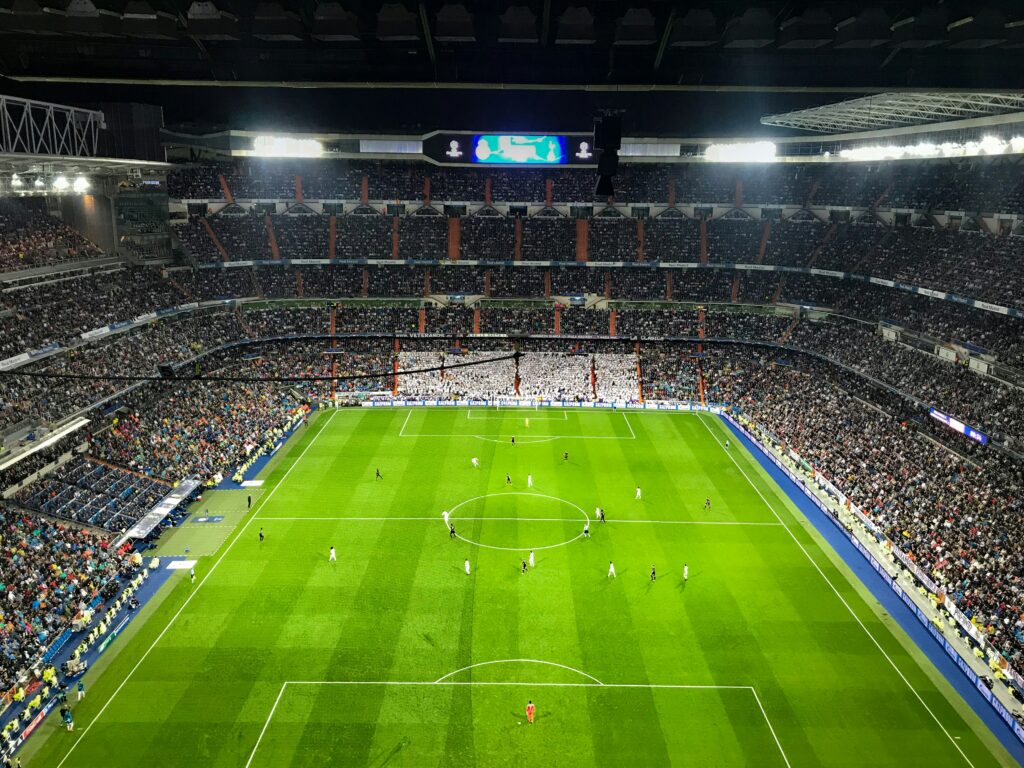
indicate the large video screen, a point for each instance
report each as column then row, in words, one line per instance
column 502, row 149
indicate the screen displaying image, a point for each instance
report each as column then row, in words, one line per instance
column 519, row 150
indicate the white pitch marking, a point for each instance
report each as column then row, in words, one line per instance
column 516, row 493
column 632, row 434
column 517, row 661
column 768, row 524
column 266, row 724
column 770, row 728
column 259, row 504
column 839, row 595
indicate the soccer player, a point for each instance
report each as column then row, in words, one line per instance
column 379, row 475
column 261, row 536
column 524, row 567
column 513, row 439
column 586, row 530
column 508, row 479
column 707, row 502
column 654, row 575
column 527, row 423
column 530, row 712
column 637, row 493
column 332, row 556
column 467, row 566
column 445, row 516
column 565, row 456
column 451, row 531
column 611, row 570
column 531, row 558
column 248, row 500
column 686, row 572
column 81, row 690
column 192, row 574
column 475, row 462
column 727, row 443
column 529, row 481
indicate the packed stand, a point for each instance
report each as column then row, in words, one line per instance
column 29, row 237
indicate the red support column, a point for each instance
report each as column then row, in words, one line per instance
column 558, row 319
column 582, row 239
column 640, row 240
column 672, row 193
column 476, row 320
column 454, row 237
column 394, row 237
column 366, row 282
column 611, row 323
column 549, row 192
column 332, row 236
column 668, row 285
column 547, row 283
column 426, row 281
column 364, row 190
column 298, row 189
column 487, row 191
column 426, row 190
column 423, row 321
column 487, row 283
column 517, row 249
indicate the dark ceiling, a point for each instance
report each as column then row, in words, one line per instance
column 779, row 55
column 831, row 44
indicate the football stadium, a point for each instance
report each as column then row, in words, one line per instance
column 511, row 384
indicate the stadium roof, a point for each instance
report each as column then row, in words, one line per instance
column 892, row 110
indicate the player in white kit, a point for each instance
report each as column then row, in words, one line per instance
column 611, row 570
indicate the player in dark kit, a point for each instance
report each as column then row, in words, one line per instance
column 524, row 567
column 451, row 531
column 513, row 439
column 654, row 575
column 707, row 503
column 565, row 456
column 261, row 535
column 508, row 479
column 379, row 475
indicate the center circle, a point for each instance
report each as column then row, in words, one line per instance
column 509, row 506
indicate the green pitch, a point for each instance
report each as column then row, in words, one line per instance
column 768, row 655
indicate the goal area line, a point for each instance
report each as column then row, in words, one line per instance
column 445, row 682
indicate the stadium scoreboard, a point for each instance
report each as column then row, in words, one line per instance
column 511, row 149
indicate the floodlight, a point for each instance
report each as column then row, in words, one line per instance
column 61, row 184
column 747, row 152
column 15, row 180
column 80, row 185
column 38, row 183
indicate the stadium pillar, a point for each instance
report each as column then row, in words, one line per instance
column 332, row 236
column 778, row 290
column 394, row 237
column 668, row 285
column 829, row 234
column 422, row 321
column 487, row 191
column 300, row 287
column 517, row 248
column 810, row 195
column 549, row 192
column 487, row 283
column 607, row 283
column 639, row 239
column 225, row 189
column 216, row 240
column 558, row 319
column 672, row 194
column 735, row 294
column 547, row 283
column 476, row 320
column 582, row 239
column 366, row 282
column 426, row 281
column 298, row 189
column 703, row 241
column 268, row 224
column 611, row 323
column 364, row 190
column 454, row 237
column 766, row 233
column 426, row 190
column 737, row 198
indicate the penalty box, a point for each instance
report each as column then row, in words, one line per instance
column 577, row 723
column 493, row 425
